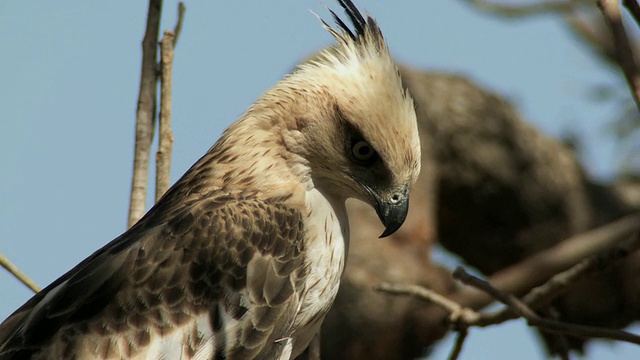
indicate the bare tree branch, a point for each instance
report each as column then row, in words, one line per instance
column 585, row 29
column 591, row 34
column 522, row 10
column 602, row 247
column 536, row 298
column 145, row 114
column 457, row 346
column 452, row 307
column 542, row 295
column 563, row 346
column 554, row 326
column 611, row 12
column 634, row 9
column 165, row 145
column 178, row 29
column 462, row 318
column 22, row 277
column 537, row 269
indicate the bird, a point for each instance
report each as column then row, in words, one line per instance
column 241, row 258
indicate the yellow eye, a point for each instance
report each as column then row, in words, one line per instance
column 362, row 151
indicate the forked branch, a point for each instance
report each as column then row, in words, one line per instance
column 462, row 316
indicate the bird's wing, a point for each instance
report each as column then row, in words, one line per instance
column 220, row 256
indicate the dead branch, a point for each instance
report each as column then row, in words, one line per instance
column 18, row 274
column 536, row 298
column 178, row 29
column 533, row 319
column 537, row 269
column 634, row 9
column 591, row 34
column 542, row 295
column 536, row 8
column 165, row 146
column 563, row 346
column 145, row 114
column 453, row 308
column 611, row 11
column 457, row 346
column 584, row 29
column 461, row 315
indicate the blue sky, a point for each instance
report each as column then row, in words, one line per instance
column 69, row 77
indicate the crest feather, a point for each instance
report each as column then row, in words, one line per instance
column 366, row 33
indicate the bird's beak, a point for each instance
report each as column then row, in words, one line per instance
column 392, row 210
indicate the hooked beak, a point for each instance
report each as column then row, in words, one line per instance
column 393, row 211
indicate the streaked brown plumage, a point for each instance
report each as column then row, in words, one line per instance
column 242, row 257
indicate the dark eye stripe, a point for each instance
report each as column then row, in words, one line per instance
column 355, row 142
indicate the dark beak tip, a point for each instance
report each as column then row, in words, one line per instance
column 392, row 217
column 388, row 231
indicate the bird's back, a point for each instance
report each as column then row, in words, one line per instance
column 209, row 269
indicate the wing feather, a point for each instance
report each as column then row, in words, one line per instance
column 160, row 276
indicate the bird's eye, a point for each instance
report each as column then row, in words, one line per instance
column 362, row 151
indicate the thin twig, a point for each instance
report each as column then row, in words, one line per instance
column 560, row 342
column 634, row 9
column 522, row 277
column 425, row 294
column 559, row 283
column 462, row 317
column 178, row 29
column 539, row 268
column 457, row 346
column 18, row 274
column 522, row 10
column 165, row 145
column 459, row 316
column 145, row 114
column 592, row 35
column 611, row 11
column 533, row 319
column 544, row 294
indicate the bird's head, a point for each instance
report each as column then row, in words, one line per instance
column 355, row 123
